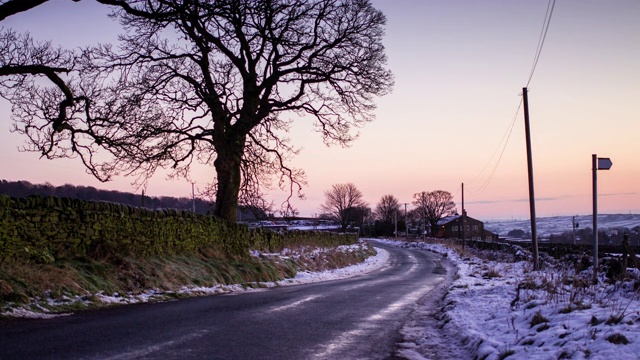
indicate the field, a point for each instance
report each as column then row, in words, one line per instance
column 555, row 225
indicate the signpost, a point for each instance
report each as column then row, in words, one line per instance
column 597, row 164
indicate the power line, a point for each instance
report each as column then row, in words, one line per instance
column 506, row 134
column 493, row 172
column 543, row 35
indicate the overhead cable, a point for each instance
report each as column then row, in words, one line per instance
column 543, row 35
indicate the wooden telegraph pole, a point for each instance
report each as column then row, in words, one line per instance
column 532, row 201
column 406, row 224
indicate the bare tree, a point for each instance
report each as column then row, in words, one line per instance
column 213, row 82
column 342, row 202
column 387, row 208
column 23, row 61
column 434, row 205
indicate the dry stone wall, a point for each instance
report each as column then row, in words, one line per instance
column 43, row 229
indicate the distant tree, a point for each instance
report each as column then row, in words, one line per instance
column 24, row 188
column 212, row 82
column 342, row 202
column 416, row 219
column 386, row 213
column 387, row 209
column 434, row 205
column 362, row 215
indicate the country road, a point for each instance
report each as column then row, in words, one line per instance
column 354, row 318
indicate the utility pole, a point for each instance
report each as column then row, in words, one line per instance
column 395, row 221
column 406, row 224
column 532, row 200
column 424, row 224
column 464, row 216
column 573, row 226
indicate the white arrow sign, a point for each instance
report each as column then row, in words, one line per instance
column 604, row 163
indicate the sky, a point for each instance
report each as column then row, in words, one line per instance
column 459, row 69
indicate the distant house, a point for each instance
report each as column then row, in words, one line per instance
column 450, row 227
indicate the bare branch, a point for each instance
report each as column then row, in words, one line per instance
column 214, row 82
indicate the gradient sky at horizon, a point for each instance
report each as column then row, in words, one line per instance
column 460, row 66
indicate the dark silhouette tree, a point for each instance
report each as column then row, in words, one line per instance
column 387, row 208
column 24, row 188
column 342, row 203
column 215, row 82
column 361, row 216
column 386, row 213
column 434, row 205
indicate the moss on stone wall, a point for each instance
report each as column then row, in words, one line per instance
column 43, row 229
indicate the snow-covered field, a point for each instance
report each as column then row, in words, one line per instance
column 556, row 314
column 546, row 226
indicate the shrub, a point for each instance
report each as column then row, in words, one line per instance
column 538, row 318
column 617, row 339
column 506, row 353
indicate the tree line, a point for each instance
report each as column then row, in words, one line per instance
column 345, row 204
column 20, row 189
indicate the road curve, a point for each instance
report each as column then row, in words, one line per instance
column 354, row 318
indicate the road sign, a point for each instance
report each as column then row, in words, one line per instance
column 597, row 164
column 604, row 163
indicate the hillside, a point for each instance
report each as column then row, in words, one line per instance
column 554, row 225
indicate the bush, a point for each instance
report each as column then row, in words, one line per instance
column 538, row 318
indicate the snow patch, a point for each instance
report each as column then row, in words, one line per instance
column 485, row 313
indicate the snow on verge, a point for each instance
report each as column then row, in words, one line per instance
column 554, row 315
column 305, row 277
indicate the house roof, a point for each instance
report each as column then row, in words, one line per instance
column 447, row 219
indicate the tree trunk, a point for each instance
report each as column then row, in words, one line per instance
column 227, row 166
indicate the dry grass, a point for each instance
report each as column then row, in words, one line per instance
column 331, row 259
column 26, row 283
column 491, row 273
column 537, row 319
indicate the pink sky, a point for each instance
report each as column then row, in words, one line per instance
column 460, row 67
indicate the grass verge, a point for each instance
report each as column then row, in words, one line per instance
column 74, row 284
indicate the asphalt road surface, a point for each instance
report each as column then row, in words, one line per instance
column 355, row 318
